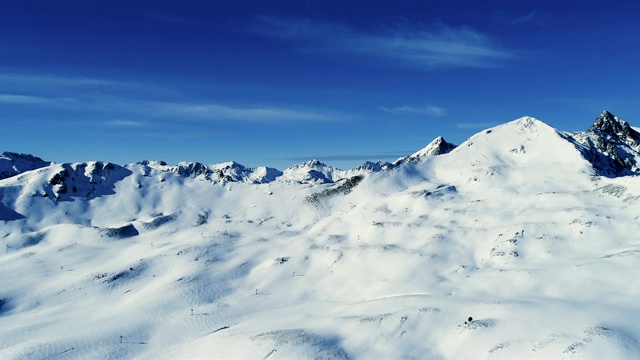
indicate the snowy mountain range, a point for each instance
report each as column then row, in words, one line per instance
column 518, row 243
column 610, row 144
column 12, row 164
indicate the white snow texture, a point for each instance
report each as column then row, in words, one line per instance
column 530, row 231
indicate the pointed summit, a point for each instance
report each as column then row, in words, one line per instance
column 611, row 145
column 613, row 128
column 438, row 146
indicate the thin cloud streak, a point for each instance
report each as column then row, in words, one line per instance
column 241, row 113
column 126, row 123
column 523, row 19
column 434, row 47
column 19, row 99
column 167, row 110
column 56, row 80
column 185, row 135
column 430, row 110
column 47, row 84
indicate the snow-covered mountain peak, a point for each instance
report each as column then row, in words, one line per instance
column 312, row 172
column 309, row 164
column 528, row 121
column 610, row 144
column 525, row 124
column 613, row 128
column 64, row 182
column 12, row 164
column 191, row 169
column 513, row 155
column 226, row 172
column 436, row 147
column 229, row 165
column 152, row 163
column 12, row 156
column 232, row 171
column 516, row 131
column 369, row 167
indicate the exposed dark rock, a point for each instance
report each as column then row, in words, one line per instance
column 122, row 232
column 610, row 145
column 375, row 167
column 437, row 147
column 343, row 189
column 5, row 305
column 157, row 222
column 58, row 178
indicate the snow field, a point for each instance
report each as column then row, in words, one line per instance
column 539, row 251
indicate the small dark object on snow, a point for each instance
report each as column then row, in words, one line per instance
column 470, row 319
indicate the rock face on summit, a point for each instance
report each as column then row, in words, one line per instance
column 437, row 147
column 610, row 145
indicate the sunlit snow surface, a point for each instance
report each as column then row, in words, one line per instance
column 512, row 228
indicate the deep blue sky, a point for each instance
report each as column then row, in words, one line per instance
column 278, row 82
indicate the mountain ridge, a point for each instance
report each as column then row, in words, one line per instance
column 12, row 164
column 610, row 144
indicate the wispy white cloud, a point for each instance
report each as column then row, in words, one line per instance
column 120, row 100
column 482, row 125
column 125, row 123
column 523, row 19
column 184, row 134
column 57, row 80
column 21, row 99
column 18, row 99
column 530, row 18
column 43, row 84
column 184, row 111
column 427, row 109
column 405, row 45
column 213, row 111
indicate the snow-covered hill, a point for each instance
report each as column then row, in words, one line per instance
column 525, row 229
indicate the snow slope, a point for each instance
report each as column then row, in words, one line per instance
column 514, row 228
